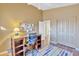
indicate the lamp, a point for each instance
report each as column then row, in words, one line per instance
column 16, row 31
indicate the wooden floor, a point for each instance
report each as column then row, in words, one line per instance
column 75, row 53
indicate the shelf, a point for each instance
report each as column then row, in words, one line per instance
column 38, row 40
column 19, row 46
column 19, row 51
column 38, row 44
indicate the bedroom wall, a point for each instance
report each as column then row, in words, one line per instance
column 13, row 14
column 64, row 25
column 64, row 22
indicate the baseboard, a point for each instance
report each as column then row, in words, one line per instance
column 4, row 53
column 54, row 42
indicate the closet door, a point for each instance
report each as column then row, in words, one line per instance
column 76, row 40
column 62, row 30
column 53, row 30
column 66, row 31
column 71, row 31
column 59, row 31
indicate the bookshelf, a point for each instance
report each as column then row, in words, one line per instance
column 18, row 46
column 38, row 42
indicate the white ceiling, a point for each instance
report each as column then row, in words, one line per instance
column 45, row 6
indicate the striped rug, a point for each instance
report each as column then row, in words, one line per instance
column 50, row 51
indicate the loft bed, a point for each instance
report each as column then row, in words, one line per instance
column 21, row 45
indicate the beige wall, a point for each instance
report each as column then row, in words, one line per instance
column 13, row 14
column 64, row 24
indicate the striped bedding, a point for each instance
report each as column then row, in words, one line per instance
column 50, row 51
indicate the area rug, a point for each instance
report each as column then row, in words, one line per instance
column 50, row 51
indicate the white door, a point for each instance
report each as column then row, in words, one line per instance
column 44, row 30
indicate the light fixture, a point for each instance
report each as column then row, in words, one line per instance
column 3, row 28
